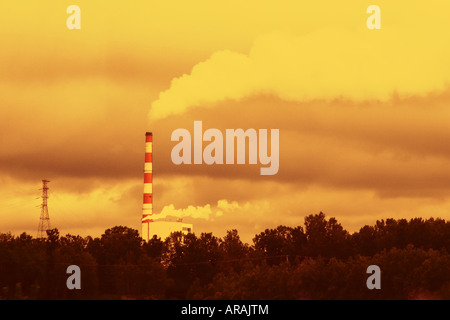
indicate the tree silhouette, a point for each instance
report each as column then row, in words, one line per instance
column 326, row 238
column 319, row 260
column 280, row 243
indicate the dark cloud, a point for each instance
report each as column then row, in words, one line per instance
column 395, row 148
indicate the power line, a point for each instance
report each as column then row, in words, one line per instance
column 284, row 256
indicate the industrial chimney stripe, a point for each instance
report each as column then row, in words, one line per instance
column 147, row 209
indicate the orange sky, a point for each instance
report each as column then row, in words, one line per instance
column 363, row 114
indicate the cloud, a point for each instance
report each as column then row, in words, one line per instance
column 352, row 208
column 325, row 64
column 394, row 148
column 74, row 106
column 85, row 213
column 80, row 128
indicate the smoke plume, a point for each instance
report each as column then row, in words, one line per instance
column 327, row 64
column 206, row 212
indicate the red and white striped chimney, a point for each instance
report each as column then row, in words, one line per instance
column 147, row 209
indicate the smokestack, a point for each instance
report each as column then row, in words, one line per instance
column 147, row 209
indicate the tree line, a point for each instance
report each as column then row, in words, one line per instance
column 319, row 260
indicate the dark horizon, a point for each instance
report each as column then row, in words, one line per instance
column 318, row 261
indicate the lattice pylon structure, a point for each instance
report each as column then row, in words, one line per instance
column 44, row 220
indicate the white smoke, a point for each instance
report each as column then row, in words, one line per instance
column 206, row 212
column 326, row 64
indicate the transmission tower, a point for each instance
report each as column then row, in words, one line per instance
column 44, row 221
